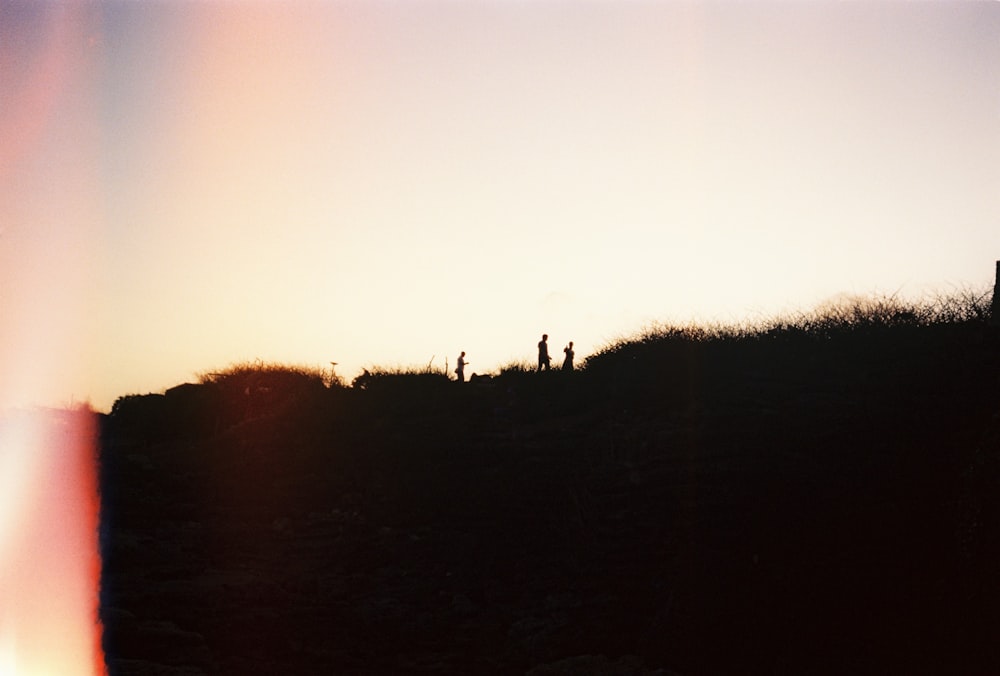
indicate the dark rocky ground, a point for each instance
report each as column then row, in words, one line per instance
column 801, row 505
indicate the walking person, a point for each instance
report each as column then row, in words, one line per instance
column 568, row 360
column 543, row 353
column 460, row 369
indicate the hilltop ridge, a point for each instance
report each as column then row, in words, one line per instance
column 810, row 497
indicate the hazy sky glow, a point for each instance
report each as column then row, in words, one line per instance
column 184, row 185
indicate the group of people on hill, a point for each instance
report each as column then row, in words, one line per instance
column 544, row 361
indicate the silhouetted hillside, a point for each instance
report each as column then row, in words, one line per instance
column 815, row 496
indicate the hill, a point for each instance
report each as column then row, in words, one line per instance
column 814, row 496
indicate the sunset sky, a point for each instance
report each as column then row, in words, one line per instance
column 185, row 185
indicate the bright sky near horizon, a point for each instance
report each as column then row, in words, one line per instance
column 185, row 185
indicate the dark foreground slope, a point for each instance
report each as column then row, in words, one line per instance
column 790, row 502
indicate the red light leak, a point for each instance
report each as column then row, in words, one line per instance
column 49, row 557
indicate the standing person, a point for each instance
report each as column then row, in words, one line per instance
column 543, row 353
column 460, row 369
column 568, row 361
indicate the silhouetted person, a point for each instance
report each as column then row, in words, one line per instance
column 543, row 353
column 460, row 369
column 568, row 361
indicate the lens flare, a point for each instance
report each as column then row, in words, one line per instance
column 49, row 560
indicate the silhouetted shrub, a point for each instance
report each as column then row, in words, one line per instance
column 249, row 390
column 673, row 362
column 411, row 392
column 186, row 411
column 139, row 417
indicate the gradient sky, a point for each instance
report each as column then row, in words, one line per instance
column 184, row 185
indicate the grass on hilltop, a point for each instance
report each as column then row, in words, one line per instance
column 883, row 337
column 849, row 315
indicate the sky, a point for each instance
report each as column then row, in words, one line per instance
column 185, row 185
